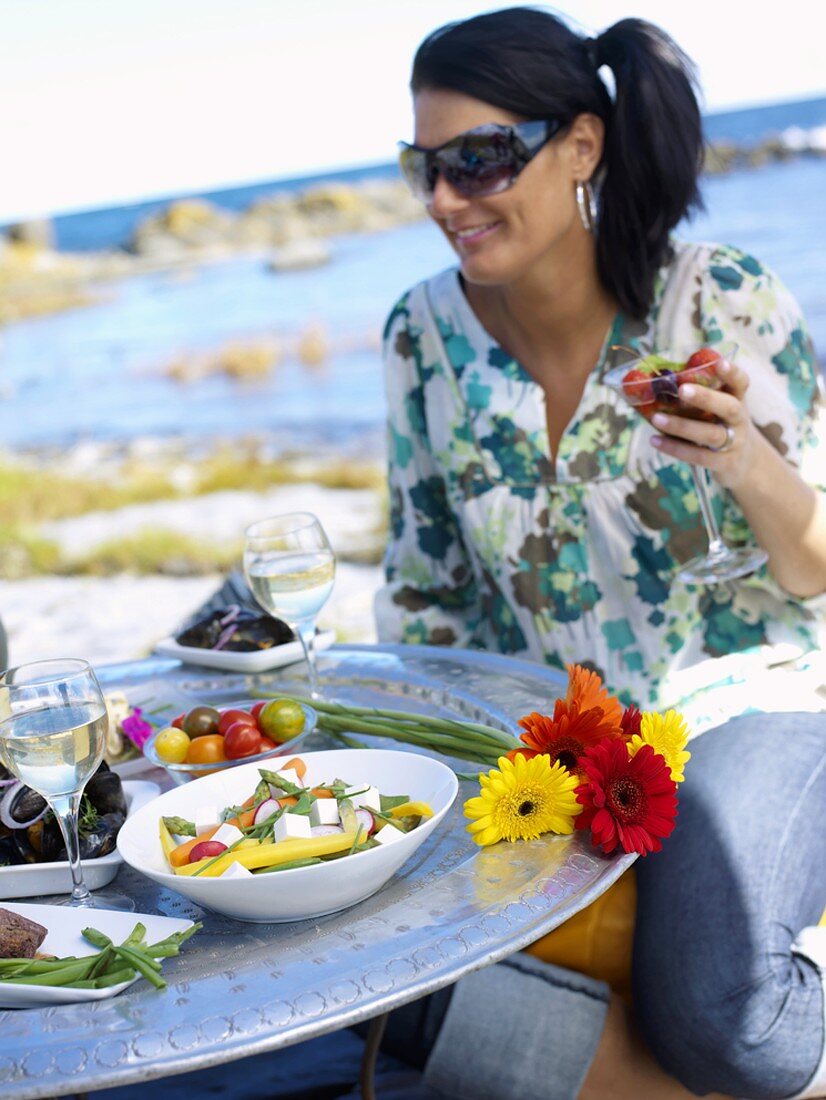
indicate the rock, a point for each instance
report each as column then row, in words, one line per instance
column 186, row 223
column 309, row 252
column 38, row 232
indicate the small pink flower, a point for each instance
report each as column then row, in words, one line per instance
column 137, row 729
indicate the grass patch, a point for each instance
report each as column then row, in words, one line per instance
column 158, row 551
column 30, row 495
column 24, row 553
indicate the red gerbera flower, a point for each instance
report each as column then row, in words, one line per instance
column 567, row 735
column 630, row 722
column 632, row 803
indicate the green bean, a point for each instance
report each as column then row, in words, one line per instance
column 64, row 976
column 135, row 937
column 306, row 861
column 148, row 967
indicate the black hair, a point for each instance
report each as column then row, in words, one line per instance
column 530, row 63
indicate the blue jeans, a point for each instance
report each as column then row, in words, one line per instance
column 723, row 1003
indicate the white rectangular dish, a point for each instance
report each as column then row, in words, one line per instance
column 29, row 880
column 257, row 660
column 65, row 926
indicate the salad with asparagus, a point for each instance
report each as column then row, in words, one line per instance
column 285, row 823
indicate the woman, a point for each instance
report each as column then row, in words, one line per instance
column 534, row 514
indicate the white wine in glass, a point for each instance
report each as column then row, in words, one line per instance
column 290, row 567
column 52, row 734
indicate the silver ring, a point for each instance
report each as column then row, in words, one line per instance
column 728, row 443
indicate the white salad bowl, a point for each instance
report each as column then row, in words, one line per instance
column 298, row 893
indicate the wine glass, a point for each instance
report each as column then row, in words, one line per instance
column 649, row 383
column 290, row 567
column 52, row 734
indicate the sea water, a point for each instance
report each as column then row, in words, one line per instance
column 100, row 372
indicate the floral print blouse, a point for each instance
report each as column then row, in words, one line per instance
column 494, row 546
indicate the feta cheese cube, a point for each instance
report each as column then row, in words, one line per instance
column 206, row 818
column 227, row 834
column 292, row 776
column 324, row 811
column 291, row 826
column 363, row 795
column 388, row 834
column 236, row 870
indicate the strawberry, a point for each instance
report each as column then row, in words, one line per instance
column 703, row 365
column 701, row 357
column 636, row 385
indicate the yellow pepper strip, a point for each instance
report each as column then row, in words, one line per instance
column 167, row 842
column 272, row 855
column 412, row 809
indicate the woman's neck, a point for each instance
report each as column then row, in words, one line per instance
column 557, row 312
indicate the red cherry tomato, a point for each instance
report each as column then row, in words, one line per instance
column 265, row 744
column 256, row 710
column 206, row 849
column 229, row 717
column 241, row 739
column 178, row 721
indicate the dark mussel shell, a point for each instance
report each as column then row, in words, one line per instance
column 9, row 853
column 244, row 634
column 105, row 791
column 43, row 841
column 27, row 805
column 94, row 843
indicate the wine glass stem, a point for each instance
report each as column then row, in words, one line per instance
column 66, row 809
column 306, row 632
column 715, row 542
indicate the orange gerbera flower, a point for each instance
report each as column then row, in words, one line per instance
column 586, row 688
column 567, row 735
column 529, row 754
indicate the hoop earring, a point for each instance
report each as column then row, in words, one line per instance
column 587, row 205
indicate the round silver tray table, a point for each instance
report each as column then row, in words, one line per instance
column 241, row 989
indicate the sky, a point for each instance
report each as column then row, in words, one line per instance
column 104, row 102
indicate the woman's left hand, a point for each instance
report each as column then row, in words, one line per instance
column 727, row 448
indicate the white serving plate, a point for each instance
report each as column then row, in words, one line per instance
column 302, row 892
column 29, row 880
column 259, row 660
column 65, row 925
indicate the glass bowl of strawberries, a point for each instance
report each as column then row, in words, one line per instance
column 650, row 384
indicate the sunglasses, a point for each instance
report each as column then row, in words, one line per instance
column 483, row 161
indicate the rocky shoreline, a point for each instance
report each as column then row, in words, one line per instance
column 289, row 230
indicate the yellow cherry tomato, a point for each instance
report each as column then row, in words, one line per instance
column 281, row 719
column 172, row 745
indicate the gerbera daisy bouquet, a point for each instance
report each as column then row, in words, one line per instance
column 592, row 765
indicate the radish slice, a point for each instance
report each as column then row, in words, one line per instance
column 325, row 830
column 206, row 849
column 265, row 810
column 366, row 820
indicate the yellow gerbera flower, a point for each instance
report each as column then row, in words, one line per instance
column 667, row 734
column 523, row 799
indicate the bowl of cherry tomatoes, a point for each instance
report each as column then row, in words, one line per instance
column 205, row 740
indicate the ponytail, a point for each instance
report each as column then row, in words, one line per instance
column 652, row 158
column 530, row 63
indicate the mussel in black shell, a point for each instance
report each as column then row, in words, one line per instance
column 236, row 629
column 102, row 812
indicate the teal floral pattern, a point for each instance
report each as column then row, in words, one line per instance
column 493, row 545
